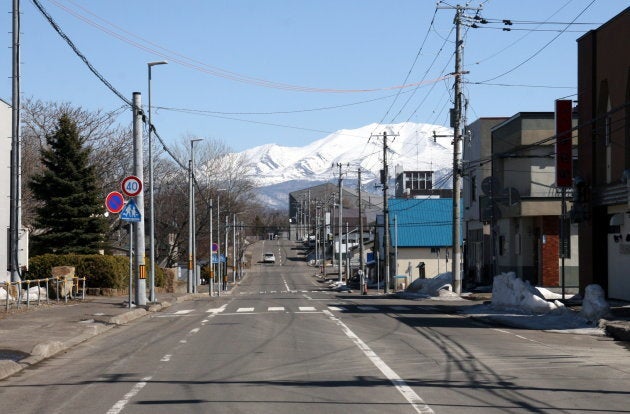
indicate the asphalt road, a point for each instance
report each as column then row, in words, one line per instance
column 282, row 343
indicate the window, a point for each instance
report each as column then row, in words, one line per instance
column 419, row 180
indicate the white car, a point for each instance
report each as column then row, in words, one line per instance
column 269, row 258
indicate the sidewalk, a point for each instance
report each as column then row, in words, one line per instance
column 30, row 336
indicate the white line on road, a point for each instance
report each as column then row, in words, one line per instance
column 217, row 310
column 118, row 407
column 307, row 309
column 275, row 308
column 184, row 312
column 239, row 310
column 410, row 395
column 194, row 331
column 166, row 358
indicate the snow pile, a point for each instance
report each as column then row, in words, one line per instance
column 432, row 286
column 34, row 293
column 594, row 305
column 511, row 292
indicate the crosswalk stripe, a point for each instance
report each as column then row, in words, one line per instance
column 307, row 309
column 245, row 310
column 275, row 308
column 184, row 312
column 336, row 308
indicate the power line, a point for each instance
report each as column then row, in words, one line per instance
column 79, row 54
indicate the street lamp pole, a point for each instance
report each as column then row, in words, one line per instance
column 151, row 197
column 192, row 262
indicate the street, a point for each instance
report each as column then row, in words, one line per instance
column 281, row 342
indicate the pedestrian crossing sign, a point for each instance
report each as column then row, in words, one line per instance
column 130, row 212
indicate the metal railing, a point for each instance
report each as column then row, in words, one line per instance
column 36, row 291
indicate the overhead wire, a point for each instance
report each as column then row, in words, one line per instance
column 542, row 48
column 192, row 63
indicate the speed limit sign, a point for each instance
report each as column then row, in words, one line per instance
column 131, row 186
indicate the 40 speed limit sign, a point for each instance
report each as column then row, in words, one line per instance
column 131, row 186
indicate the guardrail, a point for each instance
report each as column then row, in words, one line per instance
column 34, row 291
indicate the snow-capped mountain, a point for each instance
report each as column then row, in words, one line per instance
column 280, row 170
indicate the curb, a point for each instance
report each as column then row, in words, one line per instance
column 617, row 330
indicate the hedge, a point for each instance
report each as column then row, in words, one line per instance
column 100, row 271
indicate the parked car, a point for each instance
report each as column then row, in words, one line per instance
column 269, row 258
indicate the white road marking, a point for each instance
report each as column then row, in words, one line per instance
column 336, row 308
column 183, row 341
column 217, row 310
column 307, row 309
column 410, row 395
column 239, row 310
column 184, row 312
column 166, row 358
column 205, row 321
column 118, row 407
column 275, row 309
column 194, row 331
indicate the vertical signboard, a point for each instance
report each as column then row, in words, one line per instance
column 564, row 151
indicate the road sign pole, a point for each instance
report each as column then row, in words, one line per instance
column 138, row 162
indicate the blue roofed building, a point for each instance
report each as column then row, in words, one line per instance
column 421, row 232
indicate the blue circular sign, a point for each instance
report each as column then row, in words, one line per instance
column 114, row 202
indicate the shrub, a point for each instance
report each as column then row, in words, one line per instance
column 100, row 271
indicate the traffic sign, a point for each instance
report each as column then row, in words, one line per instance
column 131, row 186
column 130, row 212
column 114, row 202
column 215, row 247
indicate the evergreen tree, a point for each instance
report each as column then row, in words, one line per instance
column 69, row 218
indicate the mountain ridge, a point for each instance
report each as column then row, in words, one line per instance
column 411, row 147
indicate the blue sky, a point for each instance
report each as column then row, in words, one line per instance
column 251, row 72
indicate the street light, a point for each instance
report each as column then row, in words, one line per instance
column 151, row 198
column 192, row 262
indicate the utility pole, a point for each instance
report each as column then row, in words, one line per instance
column 384, row 182
column 138, row 163
column 386, row 242
column 14, row 215
column 361, row 252
column 340, row 230
column 457, row 122
column 210, row 266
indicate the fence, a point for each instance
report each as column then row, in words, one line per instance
column 37, row 291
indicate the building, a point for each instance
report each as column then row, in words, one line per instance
column 477, row 153
column 418, row 184
column 523, row 204
column 602, row 195
column 421, row 234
